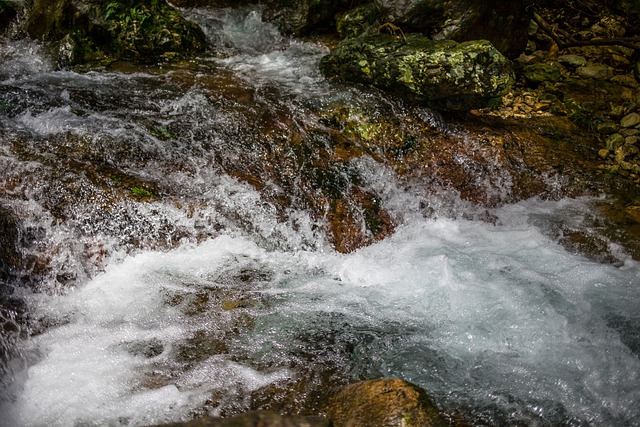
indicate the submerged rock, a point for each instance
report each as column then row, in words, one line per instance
column 255, row 419
column 82, row 31
column 443, row 75
column 383, row 403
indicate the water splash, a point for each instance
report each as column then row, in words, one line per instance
column 198, row 294
column 478, row 314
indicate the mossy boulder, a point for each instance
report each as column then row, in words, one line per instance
column 443, row 75
column 383, row 403
column 146, row 31
column 542, row 72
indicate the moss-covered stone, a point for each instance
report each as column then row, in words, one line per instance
column 151, row 30
column 542, row 72
column 443, row 75
column 81, row 31
column 383, row 403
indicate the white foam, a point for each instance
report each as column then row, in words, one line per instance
column 504, row 310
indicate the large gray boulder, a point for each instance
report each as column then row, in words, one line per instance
column 443, row 75
column 503, row 23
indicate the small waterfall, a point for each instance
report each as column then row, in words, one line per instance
column 176, row 228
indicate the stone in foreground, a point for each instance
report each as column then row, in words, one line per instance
column 383, row 403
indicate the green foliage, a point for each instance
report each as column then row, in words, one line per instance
column 582, row 116
column 495, row 103
column 128, row 19
column 147, row 30
column 555, row 133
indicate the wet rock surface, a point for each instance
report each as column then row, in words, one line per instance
column 257, row 419
column 383, row 403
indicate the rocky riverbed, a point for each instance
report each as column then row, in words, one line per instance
column 104, row 158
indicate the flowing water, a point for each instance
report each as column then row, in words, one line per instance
column 158, row 284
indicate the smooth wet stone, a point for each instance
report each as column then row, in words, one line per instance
column 607, row 128
column 630, row 120
column 542, row 72
column 383, row 403
column 574, row 61
column 596, row 72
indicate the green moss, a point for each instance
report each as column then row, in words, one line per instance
column 141, row 192
column 439, row 74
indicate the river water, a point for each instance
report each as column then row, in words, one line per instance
column 168, row 287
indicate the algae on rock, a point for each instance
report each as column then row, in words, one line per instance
column 443, row 75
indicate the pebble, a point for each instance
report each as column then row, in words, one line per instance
column 614, row 141
column 596, row 71
column 572, row 60
column 630, row 120
column 607, row 128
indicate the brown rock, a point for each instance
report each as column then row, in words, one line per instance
column 255, row 419
column 383, row 403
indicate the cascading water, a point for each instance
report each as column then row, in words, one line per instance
column 162, row 286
